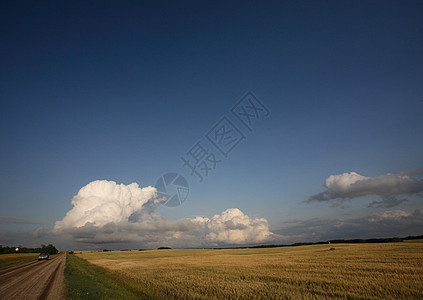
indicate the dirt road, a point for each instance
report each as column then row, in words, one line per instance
column 34, row 280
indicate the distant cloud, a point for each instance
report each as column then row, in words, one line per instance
column 386, row 224
column 231, row 227
column 234, row 227
column 388, row 187
column 28, row 238
column 13, row 220
column 105, row 212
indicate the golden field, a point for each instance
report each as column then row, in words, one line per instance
column 15, row 259
column 352, row 271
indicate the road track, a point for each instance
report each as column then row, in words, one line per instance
column 34, row 280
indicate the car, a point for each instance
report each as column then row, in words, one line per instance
column 43, row 256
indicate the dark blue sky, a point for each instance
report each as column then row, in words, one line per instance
column 119, row 91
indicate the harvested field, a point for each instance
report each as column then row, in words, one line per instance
column 365, row 271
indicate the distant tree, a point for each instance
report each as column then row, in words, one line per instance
column 50, row 249
column 6, row 250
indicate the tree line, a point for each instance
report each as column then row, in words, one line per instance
column 50, row 249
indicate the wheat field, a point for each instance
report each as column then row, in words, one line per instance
column 352, row 271
column 15, row 259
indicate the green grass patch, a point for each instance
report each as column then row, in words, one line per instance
column 16, row 259
column 87, row 281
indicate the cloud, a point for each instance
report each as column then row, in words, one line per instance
column 28, row 238
column 234, row 227
column 101, row 202
column 385, row 224
column 352, row 185
column 108, row 213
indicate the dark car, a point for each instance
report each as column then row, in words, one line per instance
column 43, row 256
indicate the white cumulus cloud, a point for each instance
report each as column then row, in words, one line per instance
column 101, row 202
column 234, row 227
column 343, row 182
column 105, row 212
column 353, row 185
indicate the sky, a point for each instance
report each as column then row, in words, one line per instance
column 270, row 122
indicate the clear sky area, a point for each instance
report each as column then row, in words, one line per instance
column 139, row 124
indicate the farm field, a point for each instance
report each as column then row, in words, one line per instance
column 355, row 271
column 15, row 259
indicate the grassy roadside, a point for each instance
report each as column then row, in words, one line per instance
column 87, row 281
column 12, row 260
